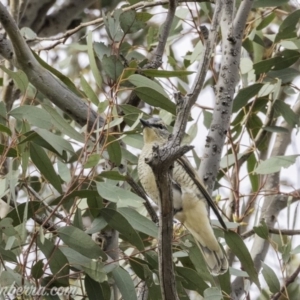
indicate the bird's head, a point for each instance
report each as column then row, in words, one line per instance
column 155, row 131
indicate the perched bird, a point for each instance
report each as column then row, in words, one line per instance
column 190, row 201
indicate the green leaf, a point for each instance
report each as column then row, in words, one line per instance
column 101, row 49
column 288, row 26
column 58, row 143
column 271, row 278
column 155, row 98
column 37, row 269
column 34, row 115
column 11, row 152
column 268, row 3
column 44, row 165
column 6, row 226
column 213, row 293
column 284, row 60
column 166, row 74
column 237, row 246
column 143, row 271
column 276, row 129
column 24, row 209
column 93, row 288
column 139, row 222
column 197, row 259
column 8, row 255
column 114, row 150
column 112, row 66
column 124, row 283
column 266, row 21
column 112, row 26
column 192, row 280
column 142, row 81
column 62, row 125
column 287, row 113
column 5, row 129
column 92, row 60
column 121, row 224
column 92, row 160
column 118, row 195
column 286, row 75
column 244, row 95
column 89, row 91
column 97, row 225
column 113, row 175
column 81, row 242
column 262, row 230
column 254, row 179
column 95, row 270
column 58, row 263
column 274, row 164
column 129, row 22
column 19, row 78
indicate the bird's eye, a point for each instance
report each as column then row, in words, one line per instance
column 160, row 126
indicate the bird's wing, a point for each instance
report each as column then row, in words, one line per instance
column 183, row 161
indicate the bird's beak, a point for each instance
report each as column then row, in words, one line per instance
column 144, row 123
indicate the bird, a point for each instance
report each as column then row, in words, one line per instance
column 190, row 200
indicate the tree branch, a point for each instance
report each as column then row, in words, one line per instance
column 162, row 39
column 61, row 19
column 288, row 281
column 232, row 35
column 43, row 80
column 274, row 231
column 139, row 191
column 271, row 207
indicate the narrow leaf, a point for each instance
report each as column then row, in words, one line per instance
column 118, row 222
column 44, row 165
column 237, row 246
column 34, row 115
column 58, row 263
column 117, row 195
column 166, row 74
column 139, row 222
column 80, row 241
column 124, row 283
column 244, row 95
column 271, row 278
column 92, row 60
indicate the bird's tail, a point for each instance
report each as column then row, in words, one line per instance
column 215, row 258
column 194, row 216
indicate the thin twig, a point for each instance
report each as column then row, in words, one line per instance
column 288, row 281
column 248, row 233
column 140, row 192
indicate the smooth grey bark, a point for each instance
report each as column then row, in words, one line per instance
column 232, row 35
column 42, row 79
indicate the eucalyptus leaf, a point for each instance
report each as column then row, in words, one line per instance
column 122, row 197
column 34, row 115
column 79, row 241
column 274, row 164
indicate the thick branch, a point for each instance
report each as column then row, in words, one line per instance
column 61, row 19
column 232, row 34
column 161, row 161
column 43, row 80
